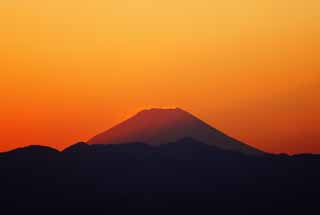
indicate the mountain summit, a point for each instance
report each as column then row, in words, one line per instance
column 160, row 126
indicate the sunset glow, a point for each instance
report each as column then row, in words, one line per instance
column 70, row 69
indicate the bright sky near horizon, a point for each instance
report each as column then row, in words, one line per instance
column 72, row 68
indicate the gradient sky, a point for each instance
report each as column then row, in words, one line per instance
column 72, row 68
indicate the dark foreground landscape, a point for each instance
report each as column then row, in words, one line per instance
column 177, row 178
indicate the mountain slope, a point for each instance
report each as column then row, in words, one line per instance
column 159, row 126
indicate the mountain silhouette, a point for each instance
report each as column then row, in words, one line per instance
column 161, row 165
column 78, row 147
column 160, row 126
column 32, row 152
column 185, row 176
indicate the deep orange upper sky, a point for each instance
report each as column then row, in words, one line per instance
column 72, row 68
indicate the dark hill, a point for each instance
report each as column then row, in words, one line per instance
column 185, row 176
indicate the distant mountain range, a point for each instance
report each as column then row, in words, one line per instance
column 181, row 176
column 186, row 176
column 160, row 126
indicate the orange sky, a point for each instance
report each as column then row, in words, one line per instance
column 72, row 68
